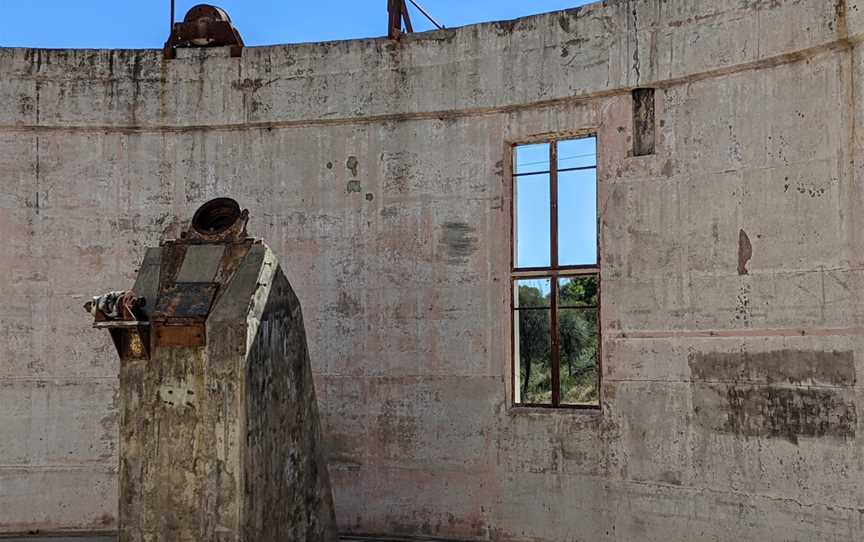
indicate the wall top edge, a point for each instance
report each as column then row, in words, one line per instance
column 430, row 35
column 590, row 51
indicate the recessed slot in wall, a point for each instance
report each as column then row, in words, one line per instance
column 643, row 122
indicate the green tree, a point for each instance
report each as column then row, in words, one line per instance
column 578, row 342
column 578, row 328
column 534, row 344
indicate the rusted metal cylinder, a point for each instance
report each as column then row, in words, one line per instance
column 216, row 216
column 204, row 26
column 218, row 220
column 203, row 15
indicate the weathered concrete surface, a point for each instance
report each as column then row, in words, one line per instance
column 222, row 440
column 381, row 171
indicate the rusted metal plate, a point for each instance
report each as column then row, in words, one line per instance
column 231, row 260
column 132, row 341
column 185, row 300
column 133, row 344
column 173, row 254
column 179, row 336
column 200, row 263
column 147, row 284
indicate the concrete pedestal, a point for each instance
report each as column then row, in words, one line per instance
column 220, row 436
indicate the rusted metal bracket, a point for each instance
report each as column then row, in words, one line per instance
column 203, row 26
column 397, row 14
column 120, row 313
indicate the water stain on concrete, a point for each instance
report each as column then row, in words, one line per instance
column 353, row 165
column 775, row 412
column 834, row 368
column 458, row 241
column 764, row 394
column 348, row 306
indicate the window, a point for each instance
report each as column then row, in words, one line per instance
column 556, row 274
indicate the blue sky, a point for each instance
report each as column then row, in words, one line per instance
column 577, row 204
column 144, row 23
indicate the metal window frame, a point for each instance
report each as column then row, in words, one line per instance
column 554, row 272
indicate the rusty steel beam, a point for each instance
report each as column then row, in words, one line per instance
column 407, row 18
column 394, row 19
column 397, row 17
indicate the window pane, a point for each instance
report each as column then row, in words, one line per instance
column 533, row 347
column 532, row 244
column 533, row 293
column 578, row 336
column 578, row 291
column 577, row 217
column 577, row 153
column 532, row 158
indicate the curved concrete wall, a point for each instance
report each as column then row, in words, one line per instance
column 379, row 172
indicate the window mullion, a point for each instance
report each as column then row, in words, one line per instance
column 555, row 354
column 553, row 321
column 553, row 200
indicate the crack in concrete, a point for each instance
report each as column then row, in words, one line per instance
column 636, row 63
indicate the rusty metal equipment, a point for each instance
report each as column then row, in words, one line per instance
column 203, row 26
column 169, row 305
column 122, row 314
column 219, row 430
column 218, row 220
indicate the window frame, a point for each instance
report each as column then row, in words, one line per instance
column 554, row 272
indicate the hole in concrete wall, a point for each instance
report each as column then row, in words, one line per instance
column 643, row 122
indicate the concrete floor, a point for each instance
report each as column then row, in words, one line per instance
column 101, row 538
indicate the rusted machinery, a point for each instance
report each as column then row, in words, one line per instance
column 210, row 26
column 219, row 430
column 203, row 26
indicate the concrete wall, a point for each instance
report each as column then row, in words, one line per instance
column 379, row 172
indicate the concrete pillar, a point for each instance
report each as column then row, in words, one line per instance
column 220, row 436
